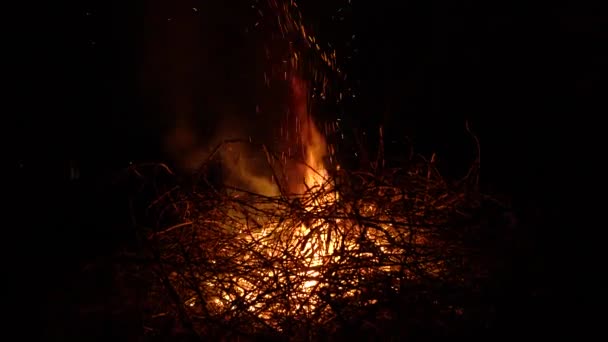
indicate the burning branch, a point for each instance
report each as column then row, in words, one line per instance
column 298, row 265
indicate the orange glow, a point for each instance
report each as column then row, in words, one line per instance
column 265, row 254
column 299, row 249
column 312, row 142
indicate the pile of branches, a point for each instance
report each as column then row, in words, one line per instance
column 375, row 253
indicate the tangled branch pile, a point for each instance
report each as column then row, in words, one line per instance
column 356, row 250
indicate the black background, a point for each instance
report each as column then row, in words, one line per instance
column 529, row 78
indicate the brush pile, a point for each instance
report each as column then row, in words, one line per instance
column 361, row 252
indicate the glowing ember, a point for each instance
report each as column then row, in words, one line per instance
column 276, row 263
column 290, row 257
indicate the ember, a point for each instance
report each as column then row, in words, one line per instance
column 284, row 264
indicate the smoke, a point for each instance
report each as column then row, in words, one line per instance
column 242, row 164
column 210, row 83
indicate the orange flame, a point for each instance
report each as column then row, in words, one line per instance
column 311, row 140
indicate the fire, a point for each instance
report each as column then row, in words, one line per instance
column 285, row 251
column 268, row 260
column 312, row 141
column 276, row 262
column 314, row 179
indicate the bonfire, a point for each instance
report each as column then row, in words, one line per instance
column 326, row 251
column 320, row 251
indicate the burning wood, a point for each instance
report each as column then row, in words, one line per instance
column 310, row 252
column 347, row 246
column 315, row 252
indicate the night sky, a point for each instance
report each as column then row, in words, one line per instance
column 97, row 84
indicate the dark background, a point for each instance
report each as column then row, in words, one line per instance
column 530, row 80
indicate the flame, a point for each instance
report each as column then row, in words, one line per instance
column 309, row 243
column 288, row 255
column 311, row 177
column 311, row 140
column 253, row 254
column 316, row 177
column 317, row 249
